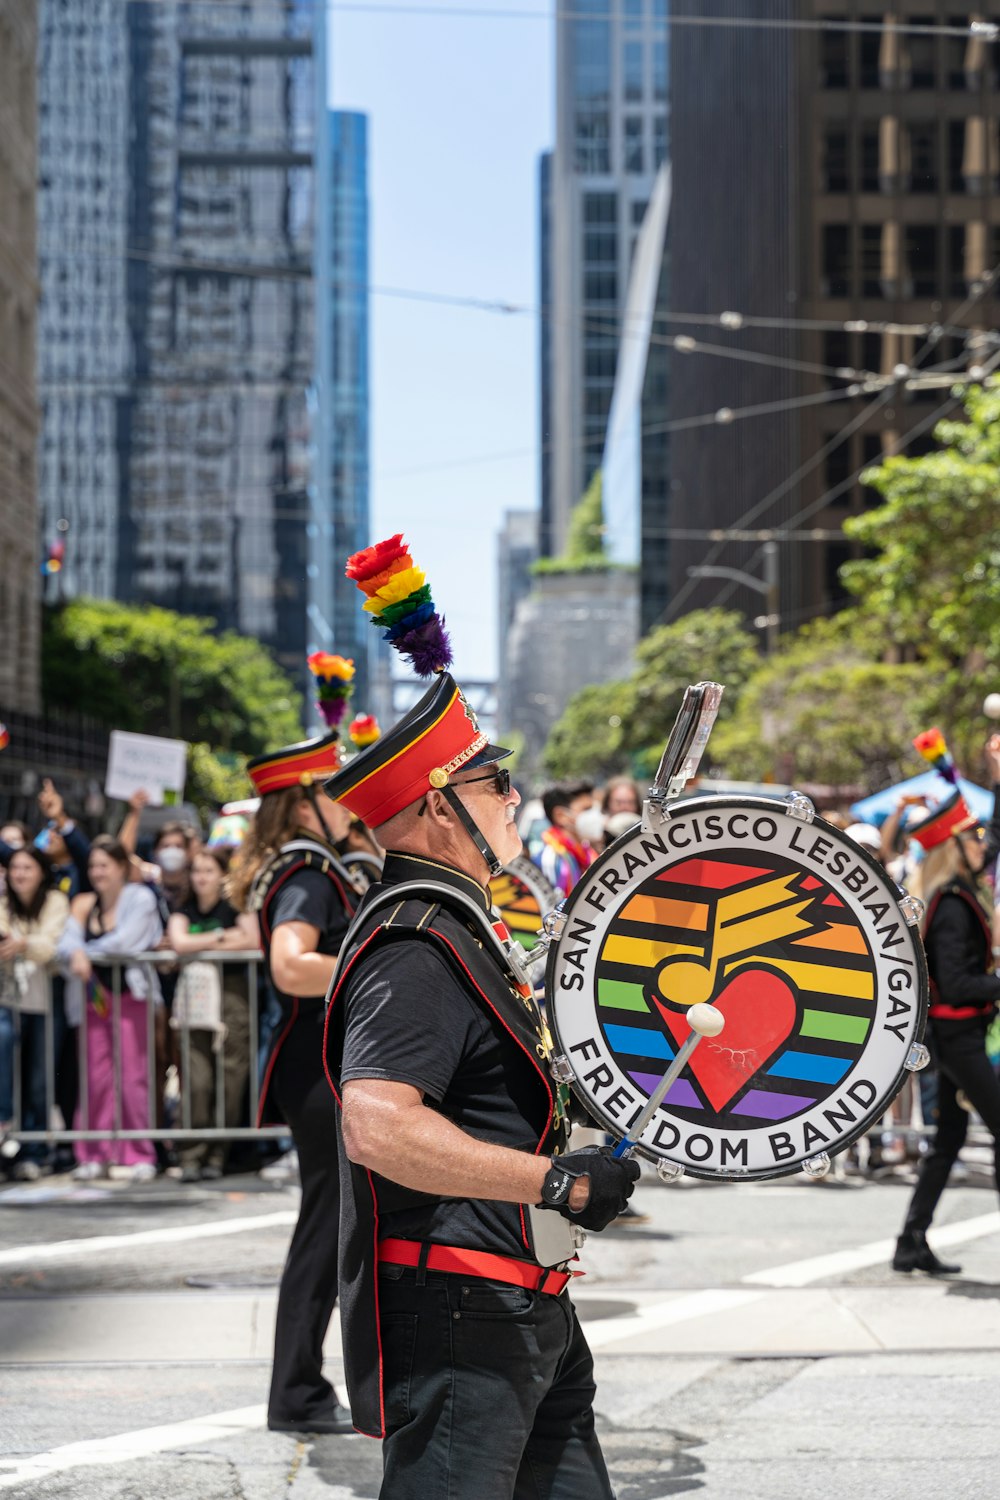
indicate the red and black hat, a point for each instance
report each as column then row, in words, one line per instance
column 951, row 817
column 439, row 735
column 307, row 764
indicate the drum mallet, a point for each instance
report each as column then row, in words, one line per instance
column 704, row 1020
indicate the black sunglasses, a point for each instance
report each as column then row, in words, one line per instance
column 500, row 777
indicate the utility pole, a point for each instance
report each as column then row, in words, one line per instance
column 768, row 586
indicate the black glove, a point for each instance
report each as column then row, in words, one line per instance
column 611, row 1184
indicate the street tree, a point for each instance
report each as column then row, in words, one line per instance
column 153, row 671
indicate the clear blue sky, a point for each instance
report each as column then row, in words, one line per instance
column 459, row 109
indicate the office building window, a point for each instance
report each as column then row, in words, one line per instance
column 593, row 148
column 659, row 61
column 836, row 354
column 871, row 260
column 871, row 456
column 599, row 358
column 634, row 155
column 956, row 157
column 633, row 10
column 600, row 286
column 922, row 48
column 600, row 208
column 868, row 159
column 659, row 140
column 837, row 464
column 592, row 51
column 954, row 53
column 835, row 178
column 597, row 400
column 600, row 247
column 632, row 71
column 834, row 57
column 956, row 260
column 871, row 352
column 923, row 157
column 922, row 259
column 869, row 70
column 836, row 260
column 639, row 212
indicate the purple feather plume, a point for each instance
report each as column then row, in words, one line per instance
column 428, row 647
column 332, row 710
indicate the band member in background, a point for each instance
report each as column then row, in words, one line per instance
column 288, row 872
column 456, row 1232
column 965, row 991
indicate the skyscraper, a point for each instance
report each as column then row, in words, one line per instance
column 19, row 548
column 187, row 363
column 347, row 313
column 84, row 346
column 611, row 137
column 849, row 197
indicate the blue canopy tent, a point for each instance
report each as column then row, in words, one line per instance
column 876, row 808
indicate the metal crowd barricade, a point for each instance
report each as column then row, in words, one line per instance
column 183, row 1130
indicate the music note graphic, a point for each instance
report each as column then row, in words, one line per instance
column 743, row 921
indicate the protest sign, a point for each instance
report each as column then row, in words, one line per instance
column 146, row 763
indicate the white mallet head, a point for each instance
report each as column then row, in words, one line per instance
column 705, row 1019
column 991, row 705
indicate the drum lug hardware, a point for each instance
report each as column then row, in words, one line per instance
column 553, row 923
column 918, row 1057
column 798, row 805
column 579, row 1236
column 669, row 1171
column 817, row 1166
column 911, row 908
column 562, row 1069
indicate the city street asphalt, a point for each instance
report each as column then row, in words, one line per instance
column 750, row 1341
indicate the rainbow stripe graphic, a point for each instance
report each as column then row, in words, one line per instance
column 780, row 954
column 518, row 906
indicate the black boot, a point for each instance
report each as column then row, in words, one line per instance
column 914, row 1254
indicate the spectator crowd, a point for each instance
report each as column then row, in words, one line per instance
column 169, row 1036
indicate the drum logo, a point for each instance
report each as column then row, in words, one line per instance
column 518, row 905
column 819, row 986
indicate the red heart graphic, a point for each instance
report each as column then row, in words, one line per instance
column 760, row 1012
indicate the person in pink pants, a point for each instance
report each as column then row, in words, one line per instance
column 118, row 917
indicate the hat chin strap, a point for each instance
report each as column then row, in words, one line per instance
column 468, row 822
column 310, row 792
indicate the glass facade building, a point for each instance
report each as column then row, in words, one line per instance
column 188, row 357
column 346, row 312
column 611, row 138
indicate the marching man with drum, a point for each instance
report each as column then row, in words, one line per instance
column 460, row 1206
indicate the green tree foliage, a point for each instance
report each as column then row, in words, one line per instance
column 585, row 549
column 707, row 645
column 825, row 709
column 617, row 726
column 934, row 581
column 156, row 672
column 588, row 739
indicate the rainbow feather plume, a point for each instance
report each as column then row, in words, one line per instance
column 334, row 684
column 931, row 745
column 4, row 737
column 398, row 598
column 364, row 730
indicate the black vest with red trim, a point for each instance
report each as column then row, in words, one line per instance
column 942, row 1008
column 297, row 855
column 461, row 930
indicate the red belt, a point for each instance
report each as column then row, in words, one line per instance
column 944, row 1012
column 484, row 1263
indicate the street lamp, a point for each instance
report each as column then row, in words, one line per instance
column 768, row 586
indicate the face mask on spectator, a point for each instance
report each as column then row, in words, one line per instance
column 590, row 825
column 171, row 859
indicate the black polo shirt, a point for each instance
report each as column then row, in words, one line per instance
column 310, row 896
column 411, row 1017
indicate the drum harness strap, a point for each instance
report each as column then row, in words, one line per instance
column 458, row 1259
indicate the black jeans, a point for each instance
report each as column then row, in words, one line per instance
column 299, row 1389
column 489, row 1393
column 959, row 1050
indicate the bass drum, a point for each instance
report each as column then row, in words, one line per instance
column 522, row 895
column 788, row 928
